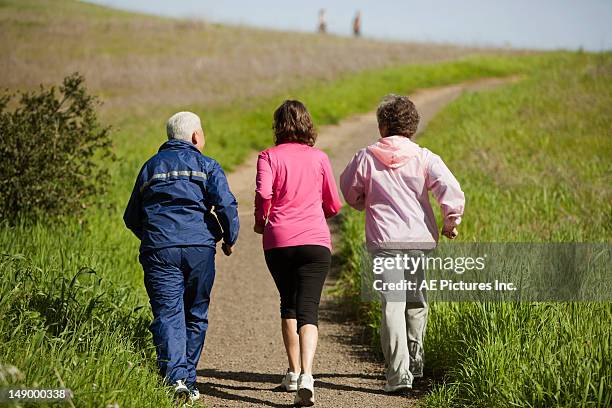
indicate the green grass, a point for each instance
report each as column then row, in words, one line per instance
column 246, row 124
column 74, row 328
column 534, row 162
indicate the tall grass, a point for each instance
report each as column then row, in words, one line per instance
column 534, row 161
column 70, row 327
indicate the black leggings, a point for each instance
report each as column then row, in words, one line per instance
column 299, row 273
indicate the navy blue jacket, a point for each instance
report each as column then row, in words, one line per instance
column 174, row 198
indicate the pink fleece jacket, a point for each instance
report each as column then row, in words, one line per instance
column 391, row 180
column 295, row 193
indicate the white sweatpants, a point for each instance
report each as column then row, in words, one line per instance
column 403, row 325
column 402, row 332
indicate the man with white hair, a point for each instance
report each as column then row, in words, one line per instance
column 171, row 212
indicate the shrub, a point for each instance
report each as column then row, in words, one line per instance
column 51, row 147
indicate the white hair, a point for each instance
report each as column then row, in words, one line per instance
column 181, row 125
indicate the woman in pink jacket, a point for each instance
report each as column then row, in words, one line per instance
column 295, row 193
column 391, row 180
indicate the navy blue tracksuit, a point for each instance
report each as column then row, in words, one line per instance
column 171, row 212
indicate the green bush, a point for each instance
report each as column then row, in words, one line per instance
column 50, row 147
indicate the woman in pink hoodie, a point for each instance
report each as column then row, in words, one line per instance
column 295, row 193
column 391, row 180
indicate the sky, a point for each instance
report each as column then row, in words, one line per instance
column 537, row 24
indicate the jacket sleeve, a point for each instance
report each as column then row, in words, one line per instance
column 223, row 202
column 329, row 193
column 447, row 191
column 352, row 182
column 263, row 189
column 132, row 217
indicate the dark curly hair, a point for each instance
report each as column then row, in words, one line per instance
column 292, row 123
column 397, row 115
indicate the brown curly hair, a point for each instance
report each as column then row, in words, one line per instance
column 292, row 123
column 397, row 115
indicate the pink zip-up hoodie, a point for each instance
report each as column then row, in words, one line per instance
column 391, row 180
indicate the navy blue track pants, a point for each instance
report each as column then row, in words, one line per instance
column 179, row 281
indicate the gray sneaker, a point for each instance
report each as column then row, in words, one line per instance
column 416, row 367
column 404, row 384
column 417, row 372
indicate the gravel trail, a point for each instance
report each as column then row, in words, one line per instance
column 243, row 360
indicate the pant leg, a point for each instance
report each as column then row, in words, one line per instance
column 416, row 325
column 165, row 284
column 281, row 265
column 394, row 343
column 312, row 266
column 199, row 272
column 417, row 311
column 393, row 328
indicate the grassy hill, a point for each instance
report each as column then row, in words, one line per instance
column 137, row 61
column 74, row 307
column 144, row 68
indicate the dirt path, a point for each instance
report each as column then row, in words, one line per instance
column 243, row 360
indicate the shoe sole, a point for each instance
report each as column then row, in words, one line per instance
column 398, row 389
column 306, row 397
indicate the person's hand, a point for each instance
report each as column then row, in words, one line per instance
column 450, row 233
column 258, row 229
column 227, row 249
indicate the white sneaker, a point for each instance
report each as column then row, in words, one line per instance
column 416, row 367
column 181, row 392
column 404, row 384
column 305, row 393
column 194, row 394
column 290, row 381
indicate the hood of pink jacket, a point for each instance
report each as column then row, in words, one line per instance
column 394, row 151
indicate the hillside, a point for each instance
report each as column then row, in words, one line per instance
column 76, row 313
column 134, row 60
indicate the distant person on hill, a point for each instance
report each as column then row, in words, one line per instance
column 357, row 24
column 295, row 193
column 391, row 180
column 171, row 212
column 322, row 22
